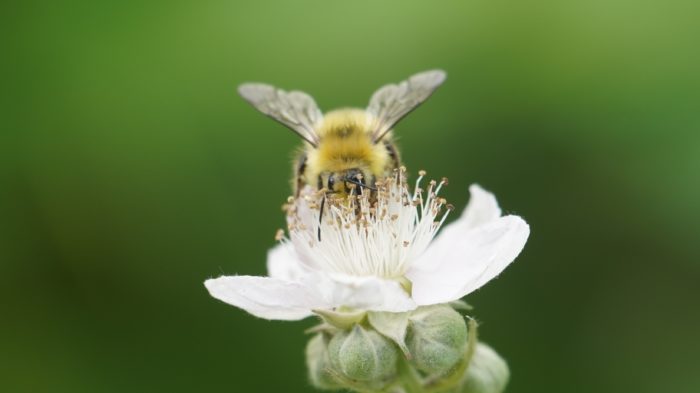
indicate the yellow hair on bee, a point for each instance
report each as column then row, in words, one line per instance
column 345, row 142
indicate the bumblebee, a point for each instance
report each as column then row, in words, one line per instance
column 346, row 150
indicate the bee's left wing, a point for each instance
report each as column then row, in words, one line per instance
column 295, row 109
column 391, row 103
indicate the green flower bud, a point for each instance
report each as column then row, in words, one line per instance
column 363, row 355
column 436, row 339
column 487, row 372
column 319, row 364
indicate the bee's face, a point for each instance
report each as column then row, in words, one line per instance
column 344, row 182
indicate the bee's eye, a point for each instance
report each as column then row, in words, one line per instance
column 356, row 177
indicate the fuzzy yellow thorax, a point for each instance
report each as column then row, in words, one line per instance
column 345, row 143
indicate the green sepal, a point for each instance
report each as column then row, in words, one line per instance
column 322, row 328
column 319, row 365
column 436, row 338
column 461, row 305
column 342, row 319
column 487, row 372
column 392, row 326
column 455, row 377
column 363, row 357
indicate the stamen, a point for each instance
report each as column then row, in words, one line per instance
column 392, row 219
column 443, row 182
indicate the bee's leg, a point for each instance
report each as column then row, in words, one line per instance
column 373, row 197
column 393, row 154
column 299, row 168
column 320, row 217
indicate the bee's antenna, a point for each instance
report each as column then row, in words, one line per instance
column 357, row 183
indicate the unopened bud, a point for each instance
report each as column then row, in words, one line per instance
column 363, row 355
column 436, row 339
column 318, row 363
column 487, row 372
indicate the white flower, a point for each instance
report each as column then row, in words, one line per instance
column 378, row 255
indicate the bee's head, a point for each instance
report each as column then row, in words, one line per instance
column 343, row 182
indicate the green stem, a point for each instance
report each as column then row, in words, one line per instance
column 410, row 381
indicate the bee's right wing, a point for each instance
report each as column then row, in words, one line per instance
column 391, row 103
column 295, row 109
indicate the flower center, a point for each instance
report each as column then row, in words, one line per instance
column 375, row 233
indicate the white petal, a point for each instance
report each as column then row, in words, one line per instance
column 283, row 263
column 466, row 259
column 265, row 297
column 482, row 208
column 367, row 293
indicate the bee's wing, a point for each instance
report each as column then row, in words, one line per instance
column 391, row 103
column 295, row 109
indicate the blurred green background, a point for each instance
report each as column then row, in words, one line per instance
column 130, row 171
